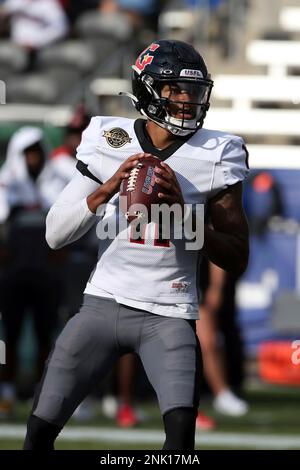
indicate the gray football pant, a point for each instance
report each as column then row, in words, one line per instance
column 97, row 336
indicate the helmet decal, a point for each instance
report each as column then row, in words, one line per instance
column 145, row 58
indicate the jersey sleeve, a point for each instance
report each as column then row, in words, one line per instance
column 70, row 217
column 233, row 165
column 88, row 156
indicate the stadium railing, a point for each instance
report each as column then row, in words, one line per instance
column 289, row 19
column 246, row 90
column 277, row 55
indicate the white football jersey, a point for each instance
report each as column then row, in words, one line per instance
column 151, row 270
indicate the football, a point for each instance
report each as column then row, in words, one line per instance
column 140, row 188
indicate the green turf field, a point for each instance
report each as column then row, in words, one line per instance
column 272, row 423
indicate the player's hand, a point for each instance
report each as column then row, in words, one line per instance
column 112, row 186
column 166, row 178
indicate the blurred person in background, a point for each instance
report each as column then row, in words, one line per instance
column 220, row 340
column 28, row 187
column 63, row 158
column 75, row 8
column 126, row 415
column 119, row 404
column 35, row 24
column 263, row 200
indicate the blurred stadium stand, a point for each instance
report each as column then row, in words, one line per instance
column 277, row 55
column 13, row 59
column 246, row 91
column 98, row 27
column 255, row 122
column 289, row 19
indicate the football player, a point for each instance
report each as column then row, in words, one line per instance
column 142, row 295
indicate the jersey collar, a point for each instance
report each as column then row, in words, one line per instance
column 147, row 145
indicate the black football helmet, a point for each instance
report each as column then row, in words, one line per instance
column 181, row 67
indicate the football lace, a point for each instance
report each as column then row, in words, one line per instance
column 133, row 177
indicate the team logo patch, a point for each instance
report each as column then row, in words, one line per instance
column 145, row 58
column 117, row 137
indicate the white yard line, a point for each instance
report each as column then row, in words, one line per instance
column 141, row 436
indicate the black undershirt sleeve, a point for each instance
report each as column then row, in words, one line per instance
column 83, row 168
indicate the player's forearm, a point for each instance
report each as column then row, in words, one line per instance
column 73, row 215
column 67, row 223
column 227, row 251
column 101, row 196
column 70, row 217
